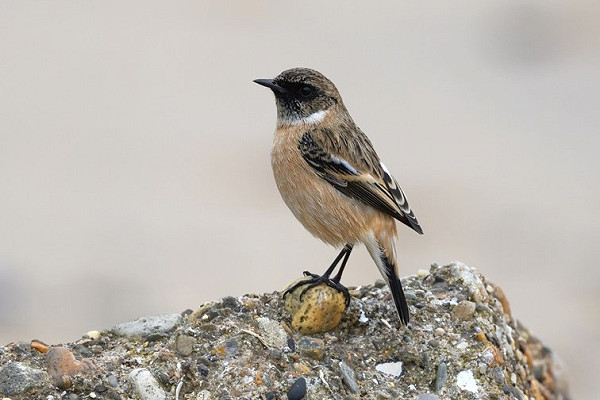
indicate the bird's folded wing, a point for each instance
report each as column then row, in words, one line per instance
column 375, row 187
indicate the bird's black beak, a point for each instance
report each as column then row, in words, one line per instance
column 270, row 83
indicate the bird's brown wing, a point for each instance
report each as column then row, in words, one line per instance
column 364, row 179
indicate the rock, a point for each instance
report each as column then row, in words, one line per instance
column 319, row 309
column 146, row 327
column 348, row 377
column 202, row 369
column 272, row 333
column 390, row 368
column 146, row 385
column 185, row 345
column 61, row 361
column 17, row 378
column 244, row 347
column 466, row 381
column 298, row 390
column 441, row 376
column 311, row 347
column 95, row 335
column 113, row 381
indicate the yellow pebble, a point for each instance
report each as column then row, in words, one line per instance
column 320, row 309
column 93, row 335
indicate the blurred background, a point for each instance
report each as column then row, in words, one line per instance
column 134, row 154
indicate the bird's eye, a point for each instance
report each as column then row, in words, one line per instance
column 306, row 91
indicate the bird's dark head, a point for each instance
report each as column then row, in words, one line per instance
column 303, row 96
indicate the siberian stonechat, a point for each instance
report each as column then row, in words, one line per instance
column 331, row 178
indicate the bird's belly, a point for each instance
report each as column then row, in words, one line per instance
column 324, row 211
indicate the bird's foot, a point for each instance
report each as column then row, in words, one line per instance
column 316, row 280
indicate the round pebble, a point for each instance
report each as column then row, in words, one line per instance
column 298, row 390
column 112, row 381
column 185, row 345
column 319, row 309
column 94, row 335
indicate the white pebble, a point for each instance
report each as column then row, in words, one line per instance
column 146, row 385
column 363, row 318
column 466, row 381
column 392, row 368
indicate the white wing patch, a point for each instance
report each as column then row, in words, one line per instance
column 345, row 164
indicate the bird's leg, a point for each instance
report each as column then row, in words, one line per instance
column 325, row 278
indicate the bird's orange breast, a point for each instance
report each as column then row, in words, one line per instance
column 324, row 211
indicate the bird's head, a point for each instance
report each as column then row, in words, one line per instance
column 303, row 96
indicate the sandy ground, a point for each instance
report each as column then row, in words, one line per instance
column 134, row 156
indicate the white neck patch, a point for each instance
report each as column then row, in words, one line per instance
column 312, row 119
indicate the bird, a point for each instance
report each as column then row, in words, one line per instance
column 333, row 181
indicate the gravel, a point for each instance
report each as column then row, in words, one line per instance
column 245, row 348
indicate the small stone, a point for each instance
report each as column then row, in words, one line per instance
column 466, row 381
column 112, row 381
column 410, row 295
column 185, row 345
column 82, row 351
column 298, row 390
column 272, row 333
column 391, row 368
column 146, row 327
column 231, row 348
column 319, row 309
column 348, row 377
column 291, row 344
column 464, row 310
column 96, row 349
column 270, row 395
column 441, row 376
column 202, row 369
column 17, row 378
column 380, row 283
column 61, row 361
column 146, row 385
column 422, row 273
column 302, row 368
column 427, row 396
column 311, row 347
column 497, row 374
column 95, row 335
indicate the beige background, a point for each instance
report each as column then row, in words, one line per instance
column 134, row 153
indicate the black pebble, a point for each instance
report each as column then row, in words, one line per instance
column 291, row 344
column 270, row 395
column 298, row 390
column 202, row 369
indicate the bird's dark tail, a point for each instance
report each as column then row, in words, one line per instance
column 396, row 287
column 383, row 255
